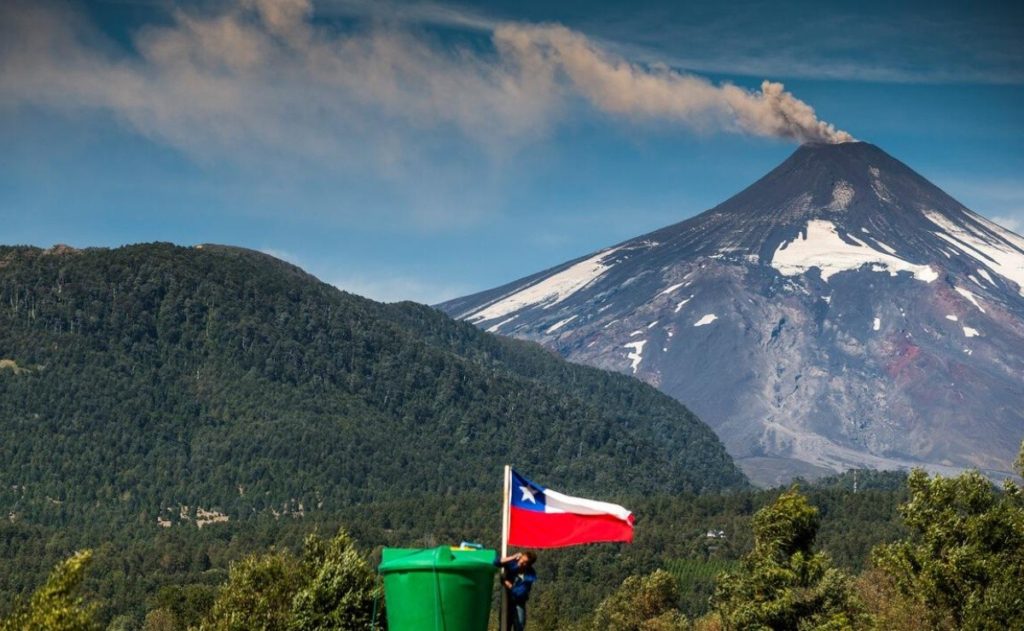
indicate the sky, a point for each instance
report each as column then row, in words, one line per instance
column 423, row 151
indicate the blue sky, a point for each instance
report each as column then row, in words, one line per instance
column 423, row 150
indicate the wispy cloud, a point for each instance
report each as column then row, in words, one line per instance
column 382, row 285
column 999, row 198
column 905, row 43
column 426, row 13
column 999, row 190
column 1014, row 223
column 909, row 42
column 260, row 87
column 284, row 255
column 385, row 287
column 260, row 83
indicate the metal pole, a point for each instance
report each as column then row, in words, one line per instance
column 506, row 493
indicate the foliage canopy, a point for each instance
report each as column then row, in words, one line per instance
column 784, row 584
column 330, row 587
column 964, row 561
column 56, row 606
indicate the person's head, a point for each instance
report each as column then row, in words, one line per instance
column 527, row 558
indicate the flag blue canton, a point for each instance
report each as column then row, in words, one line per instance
column 527, row 495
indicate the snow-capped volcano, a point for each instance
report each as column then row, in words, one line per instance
column 840, row 312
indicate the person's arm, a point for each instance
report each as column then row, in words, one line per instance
column 527, row 580
column 503, row 563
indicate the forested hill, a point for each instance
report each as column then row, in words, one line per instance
column 151, row 377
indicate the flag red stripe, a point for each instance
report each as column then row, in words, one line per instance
column 536, row 529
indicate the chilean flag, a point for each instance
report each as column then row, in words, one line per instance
column 542, row 518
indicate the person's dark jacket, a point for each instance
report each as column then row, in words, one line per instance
column 522, row 580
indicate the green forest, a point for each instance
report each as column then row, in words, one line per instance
column 900, row 553
column 158, row 376
column 183, row 430
column 144, row 567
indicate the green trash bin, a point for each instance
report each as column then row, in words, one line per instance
column 438, row 589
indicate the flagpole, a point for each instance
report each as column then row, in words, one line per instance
column 506, row 493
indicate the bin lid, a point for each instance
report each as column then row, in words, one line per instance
column 442, row 558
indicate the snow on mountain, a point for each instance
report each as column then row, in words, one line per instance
column 550, row 291
column 706, row 319
column 988, row 243
column 840, row 312
column 821, row 246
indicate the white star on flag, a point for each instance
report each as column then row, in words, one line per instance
column 527, row 494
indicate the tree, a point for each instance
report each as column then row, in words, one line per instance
column 964, row 561
column 122, row 623
column 341, row 591
column 1018, row 464
column 160, row 620
column 783, row 585
column 888, row 606
column 54, row 606
column 257, row 595
column 642, row 603
column 330, row 587
column 188, row 605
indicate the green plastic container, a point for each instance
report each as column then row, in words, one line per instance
column 438, row 589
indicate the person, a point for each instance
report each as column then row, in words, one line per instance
column 518, row 576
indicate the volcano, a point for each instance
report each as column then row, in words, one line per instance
column 841, row 312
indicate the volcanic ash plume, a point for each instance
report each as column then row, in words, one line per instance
column 618, row 87
column 260, row 81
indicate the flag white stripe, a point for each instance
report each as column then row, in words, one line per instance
column 555, row 502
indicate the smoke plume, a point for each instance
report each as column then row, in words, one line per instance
column 261, row 78
column 618, row 87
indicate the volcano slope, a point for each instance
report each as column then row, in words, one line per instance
column 840, row 312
